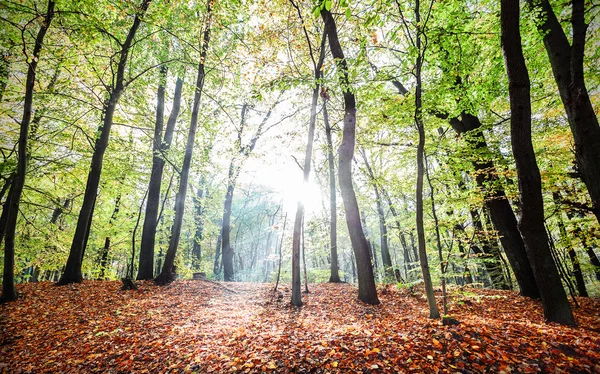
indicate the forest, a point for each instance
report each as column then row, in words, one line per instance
column 347, row 160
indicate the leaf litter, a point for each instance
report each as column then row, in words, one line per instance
column 213, row 327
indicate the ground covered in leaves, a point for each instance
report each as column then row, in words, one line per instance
column 207, row 327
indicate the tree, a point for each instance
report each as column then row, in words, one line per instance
column 160, row 146
column 531, row 225
column 334, row 276
column 299, row 219
column 114, row 90
column 367, row 292
column 167, row 274
column 567, row 66
column 9, row 293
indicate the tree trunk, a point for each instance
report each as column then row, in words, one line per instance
column 217, row 263
column 9, row 292
column 199, row 233
column 554, row 299
column 433, row 309
column 4, row 216
column 367, row 291
column 280, row 252
column 567, row 66
column 106, row 249
column 227, row 250
column 167, row 274
column 159, row 147
column 299, row 219
column 501, row 213
column 72, row 271
column 334, row 276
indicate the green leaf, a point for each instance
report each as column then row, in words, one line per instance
column 328, row 5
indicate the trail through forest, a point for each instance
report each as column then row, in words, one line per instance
column 203, row 327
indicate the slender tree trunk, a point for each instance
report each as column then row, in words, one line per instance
column 555, row 302
column 367, row 291
column 438, row 239
column 304, row 260
column 299, row 219
column 198, row 235
column 72, row 271
column 280, row 252
column 433, row 309
column 334, row 276
column 217, row 263
column 9, row 292
column 167, row 274
column 159, row 147
column 227, row 250
column 106, row 249
column 567, row 66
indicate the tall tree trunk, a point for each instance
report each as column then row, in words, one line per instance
column 280, row 252
column 383, row 233
column 106, row 249
column 72, row 271
column 159, row 147
column 9, row 292
column 199, row 218
column 367, row 291
column 334, row 276
column 438, row 239
column 554, row 299
column 217, row 264
column 567, row 66
column 299, row 219
column 501, row 213
column 227, row 250
column 167, row 274
column 433, row 309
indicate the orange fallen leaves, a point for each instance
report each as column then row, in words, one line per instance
column 197, row 326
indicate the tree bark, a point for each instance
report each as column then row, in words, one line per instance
column 501, row 213
column 334, row 276
column 367, row 291
column 72, row 270
column 433, row 309
column 567, row 66
column 531, row 225
column 199, row 218
column 167, row 274
column 159, row 147
column 9, row 292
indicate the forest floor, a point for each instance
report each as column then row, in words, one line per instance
column 213, row 327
